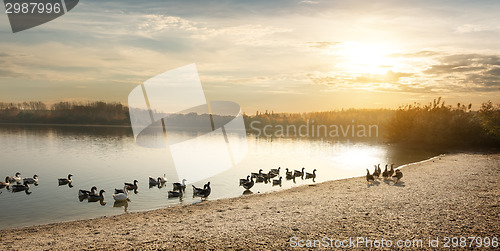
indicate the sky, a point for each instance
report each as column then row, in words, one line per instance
column 286, row 56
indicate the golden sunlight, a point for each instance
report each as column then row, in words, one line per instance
column 360, row 58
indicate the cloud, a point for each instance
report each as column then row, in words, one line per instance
column 322, row 45
column 467, row 28
column 308, row 2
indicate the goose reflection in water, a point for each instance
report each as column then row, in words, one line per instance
column 247, row 192
column 123, row 204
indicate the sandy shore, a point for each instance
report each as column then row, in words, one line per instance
column 452, row 195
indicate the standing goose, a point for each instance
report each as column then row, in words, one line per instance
column 64, row 181
column 391, row 172
column 120, row 195
column 277, row 182
column 398, row 176
column 244, row 180
column 6, row 183
column 376, row 172
column 31, row 180
column 16, row 178
column 20, row 187
column 206, row 191
column 249, row 184
column 85, row 193
column 385, row 174
column 369, row 177
column 311, row 175
column 179, row 186
column 379, row 170
column 131, row 186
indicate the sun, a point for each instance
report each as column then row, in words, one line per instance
column 361, row 58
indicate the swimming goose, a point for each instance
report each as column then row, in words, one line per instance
column 206, row 191
column 391, row 172
column 276, row 171
column 290, row 176
column 64, row 181
column 277, row 182
column 153, row 182
column 6, row 183
column 131, row 186
column 15, row 178
column 369, row 177
column 272, row 175
column 20, row 187
column 31, row 180
column 85, row 193
column 398, row 176
column 254, row 175
column 172, row 194
column 299, row 173
column 376, row 173
column 260, row 179
column 163, row 179
column 178, row 186
column 311, row 175
column 96, row 197
column 288, row 172
column 385, row 174
column 244, row 180
column 120, row 195
column 249, row 184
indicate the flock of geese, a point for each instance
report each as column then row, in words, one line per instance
column 14, row 184
column 261, row 177
column 386, row 174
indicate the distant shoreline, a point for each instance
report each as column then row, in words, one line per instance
column 68, row 125
column 447, row 196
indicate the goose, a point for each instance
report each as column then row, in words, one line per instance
column 277, row 182
column 244, row 180
column 299, row 173
column 163, row 179
column 196, row 190
column 64, row 181
column 379, row 170
column 96, row 197
column 276, row 171
column 206, row 191
column 290, row 176
column 376, row 172
column 260, row 179
column 391, row 172
column 6, row 183
column 31, row 180
column 272, row 174
column 288, row 172
column 153, row 182
column 385, row 174
column 398, row 176
column 254, row 175
column 85, row 193
column 369, row 177
column 131, row 186
column 249, row 184
column 172, row 194
column 311, row 175
column 120, row 195
column 20, row 187
column 178, row 186
column 15, row 178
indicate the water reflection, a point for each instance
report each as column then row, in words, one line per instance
column 123, row 204
column 108, row 156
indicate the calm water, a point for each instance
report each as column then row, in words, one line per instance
column 108, row 156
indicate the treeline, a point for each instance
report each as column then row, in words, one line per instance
column 438, row 124
column 98, row 113
column 434, row 124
